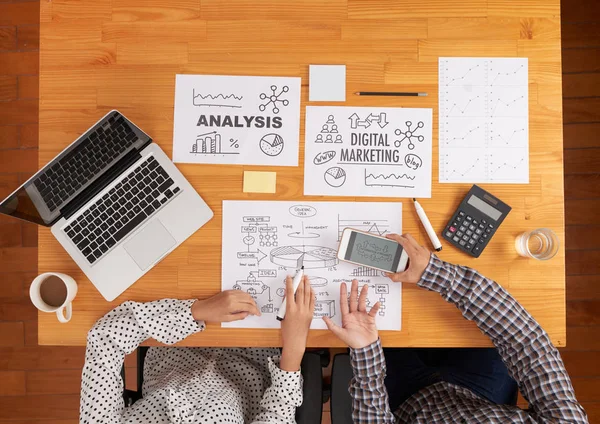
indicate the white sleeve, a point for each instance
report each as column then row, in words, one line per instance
column 118, row 333
column 284, row 395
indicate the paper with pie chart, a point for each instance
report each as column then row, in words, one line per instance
column 367, row 151
column 263, row 242
column 241, row 120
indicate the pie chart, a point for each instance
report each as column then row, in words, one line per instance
column 335, row 176
column 271, row 144
column 312, row 256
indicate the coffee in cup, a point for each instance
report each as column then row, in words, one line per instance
column 54, row 292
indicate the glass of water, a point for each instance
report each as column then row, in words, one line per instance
column 541, row 244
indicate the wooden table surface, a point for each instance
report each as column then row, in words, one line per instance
column 98, row 55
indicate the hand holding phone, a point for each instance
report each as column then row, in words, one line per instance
column 419, row 259
column 366, row 249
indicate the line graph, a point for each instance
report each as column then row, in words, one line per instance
column 499, row 75
column 377, row 226
column 388, row 180
column 499, row 106
column 459, row 132
column 216, row 100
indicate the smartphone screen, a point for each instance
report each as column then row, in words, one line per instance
column 373, row 251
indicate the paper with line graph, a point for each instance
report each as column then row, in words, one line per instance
column 368, row 151
column 236, row 120
column 263, row 242
column 484, row 120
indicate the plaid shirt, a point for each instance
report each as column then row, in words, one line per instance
column 524, row 346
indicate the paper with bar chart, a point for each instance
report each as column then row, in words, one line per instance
column 263, row 242
column 236, row 120
column 367, row 151
column 484, row 120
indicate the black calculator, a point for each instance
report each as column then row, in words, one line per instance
column 475, row 221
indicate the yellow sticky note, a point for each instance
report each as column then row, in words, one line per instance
column 259, row 182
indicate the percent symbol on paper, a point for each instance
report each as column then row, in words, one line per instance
column 234, row 143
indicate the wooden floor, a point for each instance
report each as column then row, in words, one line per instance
column 41, row 384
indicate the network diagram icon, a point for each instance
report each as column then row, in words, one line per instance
column 274, row 98
column 409, row 134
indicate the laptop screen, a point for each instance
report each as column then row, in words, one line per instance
column 42, row 197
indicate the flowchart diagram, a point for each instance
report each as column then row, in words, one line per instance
column 263, row 242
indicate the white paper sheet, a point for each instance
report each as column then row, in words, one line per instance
column 365, row 151
column 262, row 242
column 236, row 120
column 484, row 120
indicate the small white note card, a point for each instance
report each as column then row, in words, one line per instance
column 327, row 83
column 368, row 151
column 484, row 120
column 236, row 120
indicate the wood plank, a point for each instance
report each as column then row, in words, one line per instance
column 580, row 364
column 583, row 338
column 582, row 161
column 54, row 382
column 587, row 389
column 8, row 38
column 19, row 13
column 15, row 285
column 391, row 9
column 581, row 60
column 19, row 63
column 12, row 334
column 29, row 234
column 31, row 332
column 273, row 9
column 582, row 211
column 28, row 37
column 18, row 310
column 578, row 237
column 42, row 358
column 464, row 28
column 158, row 32
column 47, row 407
column 580, row 11
column 584, row 34
column 581, row 135
column 530, row 8
column 593, row 411
column 583, row 262
column 29, row 87
column 9, row 137
column 583, row 312
column 152, row 54
column 8, row 184
column 29, row 136
column 581, row 85
column 581, row 110
column 430, row 50
column 18, row 259
column 155, row 10
column 583, row 186
column 13, row 383
column 8, row 88
column 583, row 287
column 393, row 29
column 259, row 31
column 19, row 160
column 10, row 234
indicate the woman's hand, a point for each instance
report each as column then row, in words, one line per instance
column 295, row 325
column 418, row 257
column 229, row 305
column 358, row 326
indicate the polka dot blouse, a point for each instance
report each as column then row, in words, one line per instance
column 181, row 385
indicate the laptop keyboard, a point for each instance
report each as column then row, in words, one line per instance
column 137, row 196
column 82, row 164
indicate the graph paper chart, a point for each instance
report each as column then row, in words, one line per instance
column 484, row 120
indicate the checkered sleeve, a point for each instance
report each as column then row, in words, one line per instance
column 369, row 395
column 531, row 358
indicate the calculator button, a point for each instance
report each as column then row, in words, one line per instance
column 475, row 222
column 483, row 221
column 469, row 232
column 475, row 237
column 448, row 234
column 476, row 249
column 461, row 213
column 472, row 227
column 488, row 231
column 455, row 224
column 459, row 219
column 463, row 228
column 465, row 237
column 470, row 246
column 452, row 229
column 490, row 226
column 485, row 236
column 459, row 233
column 482, row 226
column 479, row 231
column 481, row 240
column 469, row 218
column 462, row 243
column 456, row 239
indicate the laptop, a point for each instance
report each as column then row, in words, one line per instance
column 114, row 201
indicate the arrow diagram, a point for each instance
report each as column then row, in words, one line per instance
column 356, row 122
column 261, row 256
column 380, row 119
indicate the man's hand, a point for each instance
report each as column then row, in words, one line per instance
column 295, row 325
column 418, row 259
column 358, row 326
column 229, row 305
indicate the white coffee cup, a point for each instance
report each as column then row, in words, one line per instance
column 54, row 296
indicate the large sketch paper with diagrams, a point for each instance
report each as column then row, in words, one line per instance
column 263, row 242
column 236, row 120
column 366, row 151
column 484, row 120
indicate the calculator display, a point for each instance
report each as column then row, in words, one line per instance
column 484, row 207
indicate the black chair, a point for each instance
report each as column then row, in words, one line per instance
column 341, row 402
column 314, row 392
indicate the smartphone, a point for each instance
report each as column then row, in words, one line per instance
column 366, row 249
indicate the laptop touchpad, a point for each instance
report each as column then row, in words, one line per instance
column 150, row 244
